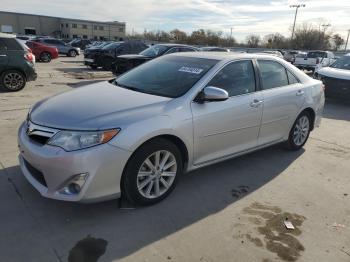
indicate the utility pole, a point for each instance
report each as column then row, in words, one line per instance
column 325, row 26
column 347, row 40
column 295, row 16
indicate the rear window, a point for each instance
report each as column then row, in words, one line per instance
column 12, row 44
column 316, row 54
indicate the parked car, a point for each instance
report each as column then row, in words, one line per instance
column 43, row 52
column 214, row 49
column 25, row 37
column 16, row 63
column 290, row 55
column 124, row 63
column 315, row 60
column 136, row 134
column 274, row 53
column 63, row 48
column 81, row 43
column 105, row 56
column 336, row 78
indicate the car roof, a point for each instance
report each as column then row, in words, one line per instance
column 174, row 45
column 4, row 35
column 224, row 55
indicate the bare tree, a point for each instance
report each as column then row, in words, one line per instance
column 178, row 36
column 253, row 40
column 338, row 41
column 275, row 41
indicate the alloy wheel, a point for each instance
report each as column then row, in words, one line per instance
column 156, row 174
column 301, row 130
column 13, row 81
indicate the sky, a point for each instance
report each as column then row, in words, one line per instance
column 244, row 17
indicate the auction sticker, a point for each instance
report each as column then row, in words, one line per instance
column 191, row 70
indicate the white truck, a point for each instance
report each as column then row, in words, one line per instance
column 315, row 60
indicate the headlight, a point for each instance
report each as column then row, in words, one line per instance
column 72, row 140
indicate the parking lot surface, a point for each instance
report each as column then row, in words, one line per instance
column 231, row 211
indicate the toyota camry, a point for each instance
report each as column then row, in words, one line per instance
column 135, row 135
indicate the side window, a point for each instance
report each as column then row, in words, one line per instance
column 2, row 46
column 49, row 41
column 186, row 49
column 12, row 44
column 172, row 50
column 291, row 78
column 237, row 78
column 273, row 74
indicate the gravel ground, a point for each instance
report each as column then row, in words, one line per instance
column 232, row 211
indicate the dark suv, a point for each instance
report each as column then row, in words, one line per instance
column 105, row 56
column 16, row 63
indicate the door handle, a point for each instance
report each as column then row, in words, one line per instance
column 300, row 93
column 256, row 103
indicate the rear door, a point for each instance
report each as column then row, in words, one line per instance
column 283, row 97
column 227, row 127
column 3, row 56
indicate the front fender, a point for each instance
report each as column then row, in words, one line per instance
column 134, row 135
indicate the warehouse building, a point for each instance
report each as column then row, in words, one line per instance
column 65, row 28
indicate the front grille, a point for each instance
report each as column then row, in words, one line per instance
column 35, row 173
column 39, row 139
column 39, row 134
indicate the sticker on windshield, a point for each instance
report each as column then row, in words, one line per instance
column 191, row 70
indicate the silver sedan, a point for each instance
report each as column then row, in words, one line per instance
column 135, row 135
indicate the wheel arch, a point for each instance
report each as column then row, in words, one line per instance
column 178, row 142
column 312, row 114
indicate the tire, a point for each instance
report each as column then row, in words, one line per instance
column 72, row 53
column 139, row 181
column 45, row 57
column 300, row 132
column 13, row 80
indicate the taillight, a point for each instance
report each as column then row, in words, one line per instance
column 29, row 57
column 317, row 61
column 323, row 87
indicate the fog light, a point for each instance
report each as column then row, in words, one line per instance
column 74, row 186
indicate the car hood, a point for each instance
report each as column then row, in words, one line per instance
column 335, row 73
column 136, row 56
column 96, row 107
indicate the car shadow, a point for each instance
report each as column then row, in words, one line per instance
column 337, row 109
column 199, row 194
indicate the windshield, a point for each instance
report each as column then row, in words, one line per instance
column 169, row 76
column 316, row 55
column 342, row 63
column 154, row 51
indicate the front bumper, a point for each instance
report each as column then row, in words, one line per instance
column 49, row 168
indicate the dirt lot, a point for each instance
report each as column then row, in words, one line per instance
column 232, row 211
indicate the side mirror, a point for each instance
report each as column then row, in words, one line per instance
column 212, row 94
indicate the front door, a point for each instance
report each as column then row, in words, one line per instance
column 227, row 127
